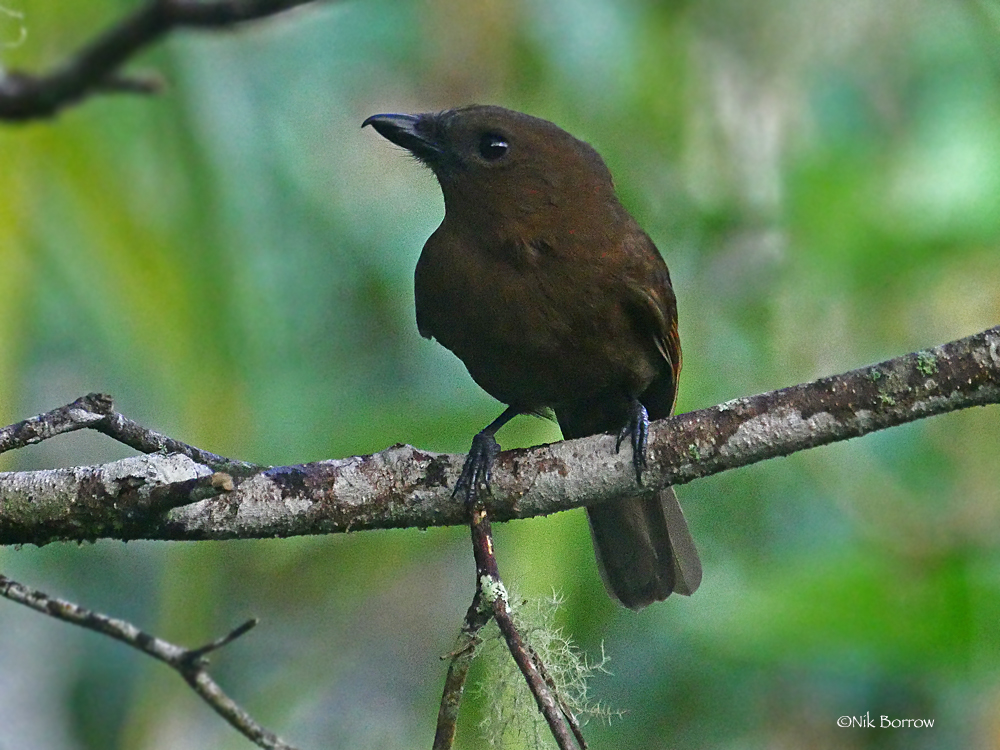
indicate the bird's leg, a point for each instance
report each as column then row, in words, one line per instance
column 637, row 428
column 479, row 463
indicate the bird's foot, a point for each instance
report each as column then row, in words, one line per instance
column 478, row 467
column 637, row 428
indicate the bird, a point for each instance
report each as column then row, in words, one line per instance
column 557, row 302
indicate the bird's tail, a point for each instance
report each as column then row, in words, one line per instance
column 644, row 549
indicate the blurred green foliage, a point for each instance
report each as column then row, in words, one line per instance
column 233, row 261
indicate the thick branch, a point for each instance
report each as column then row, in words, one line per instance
column 94, row 68
column 404, row 487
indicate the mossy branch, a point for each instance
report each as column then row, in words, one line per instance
column 405, row 487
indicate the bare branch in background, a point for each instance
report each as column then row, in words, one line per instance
column 191, row 664
column 95, row 67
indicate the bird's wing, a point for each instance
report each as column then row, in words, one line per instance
column 654, row 309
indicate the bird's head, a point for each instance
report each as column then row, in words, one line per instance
column 503, row 167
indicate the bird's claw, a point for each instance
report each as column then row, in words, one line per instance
column 637, row 428
column 478, row 468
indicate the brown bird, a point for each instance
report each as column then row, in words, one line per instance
column 541, row 282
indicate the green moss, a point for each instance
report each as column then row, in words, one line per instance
column 927, row 363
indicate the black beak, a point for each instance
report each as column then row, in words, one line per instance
column 408, row 131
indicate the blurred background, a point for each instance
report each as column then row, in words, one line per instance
column 233, row 261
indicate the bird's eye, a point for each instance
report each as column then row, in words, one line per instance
column 492, row 146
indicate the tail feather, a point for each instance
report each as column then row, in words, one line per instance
column 644, row 549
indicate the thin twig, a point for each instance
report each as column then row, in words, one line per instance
column 458, row 670
column 494, row 596
column 119, row 427
column 490, row 600
column 95, row 411
column 85, row 412
column 567, row 711
column 93, row 69
column 191, row 664
column 562, row 723
column 225, row 640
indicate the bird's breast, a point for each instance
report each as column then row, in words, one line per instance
column 532, row 328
